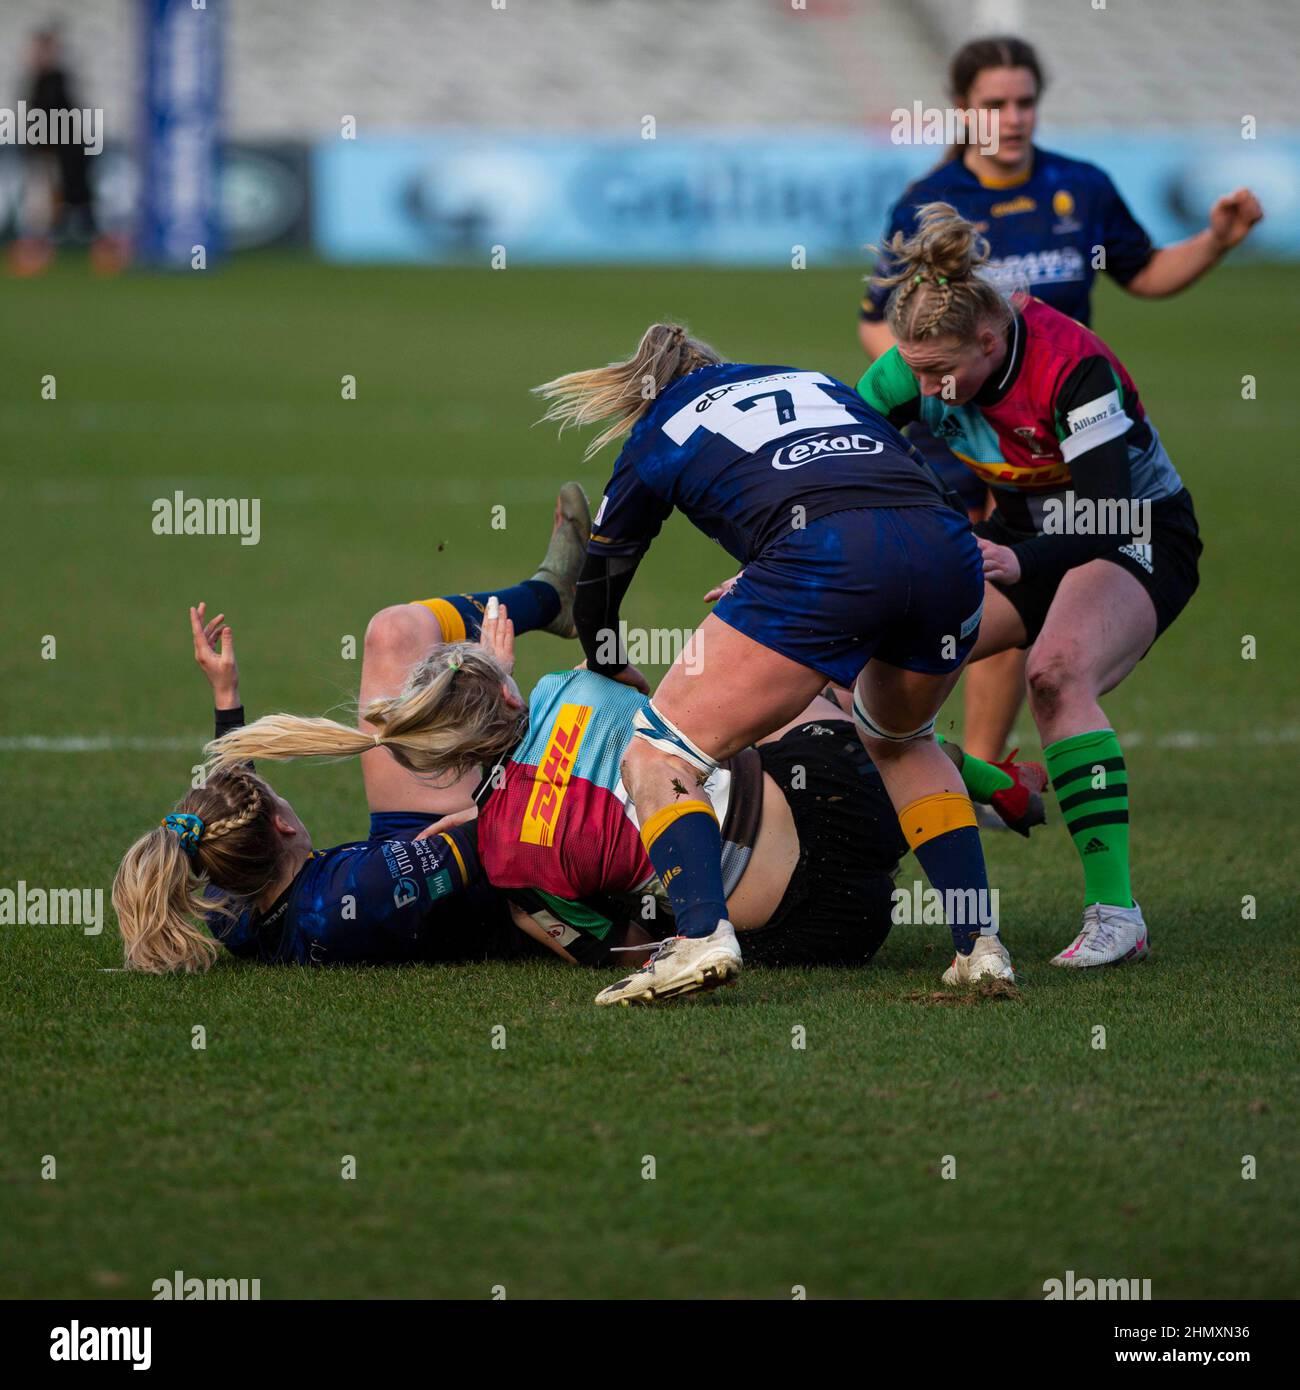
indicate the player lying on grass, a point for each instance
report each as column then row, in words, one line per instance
column 811, row 842
column 235, row 857
column 1091, row 550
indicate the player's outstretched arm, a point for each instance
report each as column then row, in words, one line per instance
column 1173, row 268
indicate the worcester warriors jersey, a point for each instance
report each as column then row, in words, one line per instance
column 747, row 452
column 375, row 901
column 1044, row 232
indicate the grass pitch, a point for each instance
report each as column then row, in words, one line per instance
column 775, row 1166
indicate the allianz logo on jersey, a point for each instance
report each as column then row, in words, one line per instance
column 838, row 445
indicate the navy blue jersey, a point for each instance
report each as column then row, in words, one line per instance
column 1043, row 232
column 749, row 453
column 380, row 901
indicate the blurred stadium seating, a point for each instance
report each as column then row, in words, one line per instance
column 294, row 68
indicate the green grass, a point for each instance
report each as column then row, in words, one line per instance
column 522, row 1167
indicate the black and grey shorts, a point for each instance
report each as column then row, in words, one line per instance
column 1166, row 568
column 836, row 908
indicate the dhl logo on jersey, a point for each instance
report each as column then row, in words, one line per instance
column 1049, row 473
column 554, row 773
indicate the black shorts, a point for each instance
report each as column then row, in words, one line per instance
column 1166, row 569
column 836, row 908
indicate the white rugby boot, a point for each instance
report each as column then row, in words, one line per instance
column 988, row 960
column 1110, row 936
column 680, row 965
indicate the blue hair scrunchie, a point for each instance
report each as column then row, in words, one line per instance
column 189, row 830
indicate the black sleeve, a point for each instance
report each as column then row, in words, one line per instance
column 601, row 586
column 228, row 719
column 1094, row 426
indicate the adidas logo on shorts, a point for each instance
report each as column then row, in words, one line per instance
column 1140, row 553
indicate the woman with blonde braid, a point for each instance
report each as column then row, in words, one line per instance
column 233, row 865
column 1091, row 549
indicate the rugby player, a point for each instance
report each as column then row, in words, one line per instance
column 856, row 570
column 811, row 841
column 1091, row 550
column 1046, row 218
column 235, row 857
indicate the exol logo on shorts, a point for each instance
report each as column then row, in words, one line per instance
column 840, row 445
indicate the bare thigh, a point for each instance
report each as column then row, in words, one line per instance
column 396, row 639
column 1099, row 625
column 1000, row 626
column 726, row 691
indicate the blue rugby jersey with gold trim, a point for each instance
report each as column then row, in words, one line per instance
column 1043, row 229
column 379, row 901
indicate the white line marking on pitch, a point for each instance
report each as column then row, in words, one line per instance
column 97, row 743
column 1182, row 739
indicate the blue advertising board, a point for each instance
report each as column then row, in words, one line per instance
column 725, row 197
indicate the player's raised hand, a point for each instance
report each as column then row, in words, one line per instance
column 718, row 590
column 497, row 634
column 214, row 651
column 1000, row 563
column 1232, row 217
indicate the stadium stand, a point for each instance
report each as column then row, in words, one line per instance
column 576, row 64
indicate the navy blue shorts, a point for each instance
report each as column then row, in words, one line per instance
column 905, row 584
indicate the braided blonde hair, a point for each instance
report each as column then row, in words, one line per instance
column 937, row 288
column 162, row 892
column 624, row 391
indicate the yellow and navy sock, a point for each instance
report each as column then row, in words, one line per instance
column 1091, row 785
column 981, row 779
column 684, row 843
column 940, row 831
column 531, row 605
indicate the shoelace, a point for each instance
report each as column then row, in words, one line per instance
column 1097, row 927
column 660, row 950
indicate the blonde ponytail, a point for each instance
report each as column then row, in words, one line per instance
column 163, row 891
column 623, row 391
column 451, row 716
column 937, row 288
